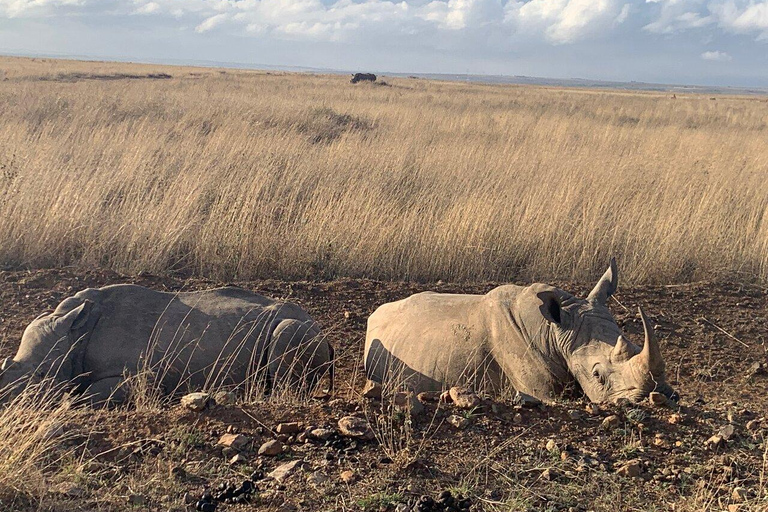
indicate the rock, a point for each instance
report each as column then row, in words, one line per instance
column 195, row 401
column 753, row 425
column 657, row 399
column 348, row 476
column 352, row 426
column 727, row 432
column 631, row 469
column 137, row 500
column 714, row 443
column 428, row 396
column 406, row 401
column 611, row 422
column 739, row 495
column 238, row 459
column 372, row 390
column 551, row 446
column 234, row 441
column 457, row 421
column 463, row 398
column 288, row 428
column 675, row 419
column 575, row 414
column 525, row 400
column 318, row 479
column 271, row 448
column 517, row 419
column 757, row 368
column 322, row 434
column 225, row 398
column 592, row 409
column 550, row 474
column 283, row 471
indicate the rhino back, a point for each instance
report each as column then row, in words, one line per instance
column 188, row 334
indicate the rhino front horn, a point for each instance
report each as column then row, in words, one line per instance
column 606, row 286
column 650, row 356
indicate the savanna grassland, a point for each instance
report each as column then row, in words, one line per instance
column 341, row 197
column 243, row 174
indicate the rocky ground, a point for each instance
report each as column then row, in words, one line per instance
column 349, row 452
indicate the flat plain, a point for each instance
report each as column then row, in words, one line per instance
column 342, row 197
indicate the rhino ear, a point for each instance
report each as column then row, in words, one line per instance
column 550, row 306
column 606, row 286
column 76, row 318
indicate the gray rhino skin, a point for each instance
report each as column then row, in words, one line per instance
column 190, row 340
column 538, row 339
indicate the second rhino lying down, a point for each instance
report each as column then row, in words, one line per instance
column 537, row 339
column 226, row 336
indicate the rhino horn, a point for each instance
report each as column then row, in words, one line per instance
column 7, row 362
column 650, row 357
column 606, row 286
column 623, row 350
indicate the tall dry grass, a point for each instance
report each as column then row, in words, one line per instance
column 244, row 174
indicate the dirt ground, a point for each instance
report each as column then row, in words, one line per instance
column 554, row 457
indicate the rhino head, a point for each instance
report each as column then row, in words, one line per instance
column 45, row 350
column 607, row 366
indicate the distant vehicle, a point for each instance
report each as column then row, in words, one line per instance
column 362, row 77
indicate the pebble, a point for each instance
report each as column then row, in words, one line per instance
column 611, row 422
column 552, row 446
column 238, row 459
column 525, row 400
column 285, row 470
column 348, row 476
column 592, row 409
column 428, row 396
column 225, row 398
column 517, row 419
column 739, row 494
column 575, row 414
column 727, row 432
column 675, row 419
column 322, row 434
column 550, row 474
column 318, row 479
column 352, row 426
column 288, row 428
column 236, row 441
column 195, row 401
column 372, row 390
column 464, row 398
column 457, row 421
column 631, row 469
column 657, row 399
column 714, row 443
column 271, row 448
column 753, row 425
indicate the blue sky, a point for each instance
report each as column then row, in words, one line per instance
column 715, row 42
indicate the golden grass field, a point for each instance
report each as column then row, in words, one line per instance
column 243, row 174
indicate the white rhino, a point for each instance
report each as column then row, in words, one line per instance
column 537, row 339
column 192, row 340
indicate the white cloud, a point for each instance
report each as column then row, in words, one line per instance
column 717, row 56
column 148, row 8
column 566, row 21
column 211, row 22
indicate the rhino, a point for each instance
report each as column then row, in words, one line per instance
column 362, row 77
column 537, row 339
column 227, row 336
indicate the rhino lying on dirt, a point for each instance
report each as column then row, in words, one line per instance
column 537, row 339
column 193, row 340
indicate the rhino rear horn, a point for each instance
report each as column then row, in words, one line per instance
column 650, row 356
column 606, row 286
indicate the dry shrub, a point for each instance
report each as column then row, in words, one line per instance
column 248, row 174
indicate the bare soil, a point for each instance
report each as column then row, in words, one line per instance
column 711, row 335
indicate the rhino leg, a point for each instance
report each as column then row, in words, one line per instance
column 298, row 357
column 107, row 392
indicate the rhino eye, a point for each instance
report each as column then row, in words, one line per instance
column 597, row 375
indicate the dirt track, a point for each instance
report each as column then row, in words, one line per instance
column 710, row 334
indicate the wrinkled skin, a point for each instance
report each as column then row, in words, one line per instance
column 191, row 340
column 538, row 339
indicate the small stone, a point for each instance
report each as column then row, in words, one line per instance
column 372, row 390
column 611, row 422
column 322, row 434
column 283, row 471
column 727, row 432
column 288, row 428
column 348, row 476
column 550, row 474
column 575, row 414
column 235, row 441
column 225, row 398
column 352, row 426
column 657, row 399
column 675, row 419
column 564, row 455
column 631, row 469
column 238, row 459
column 714, row 443
column 195, row 401
column 317, row 479
column 517, row 419
column 463, row 398
column 525, row 400
column 552, row 446
column 271, row 448
column 457, row 421
column 592, row 409
column 739, row 495
column 347, row 315
column 428, row 396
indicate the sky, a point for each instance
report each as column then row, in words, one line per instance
column 707, row 42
